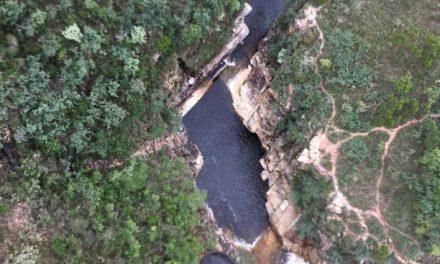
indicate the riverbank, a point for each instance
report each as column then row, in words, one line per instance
column 251, row 99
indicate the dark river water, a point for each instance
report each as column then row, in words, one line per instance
column 259, row 21
column 216, row 258
column 231, row 169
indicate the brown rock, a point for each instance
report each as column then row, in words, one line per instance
column 313, row 256
column 287, row 220
column 267, row 247
column 273, row 197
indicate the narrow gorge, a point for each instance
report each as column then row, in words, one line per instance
column 245, row 171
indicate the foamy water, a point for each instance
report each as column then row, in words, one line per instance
column 295, row 259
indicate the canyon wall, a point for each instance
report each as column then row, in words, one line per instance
column 252, row 100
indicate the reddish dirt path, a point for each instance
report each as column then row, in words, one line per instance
column 321, row 146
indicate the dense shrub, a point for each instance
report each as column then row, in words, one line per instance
column 82, row 81
column 295, row 80
column 310, row 192
column 348, row 53
column 406, row 100
column 137, row 212
column 89, row 86
column 356, row 149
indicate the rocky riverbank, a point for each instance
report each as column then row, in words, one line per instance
column 252, row 98
column 250, row 89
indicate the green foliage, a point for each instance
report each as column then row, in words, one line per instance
column 352, row 121
column 310, row 191
column 59, row 246
column 295, row 80
column 421, row 178
column 345, row 250
column 380, row 79
column 381, row 255
column 427, row 189
column 414, row 91
column 356, row 149
column 318, row 2
column 88, row 87
column 138, row 35
column 10, row 12
column 191, row 33
column 406, row 100
column 357, row 167
column 92, row 87
column 4, row 208
column 147, row 211
column 164, row 44
column 348, row 53
column 422, row 46
column 127, row 239
column 435, row 250
column 325, row 63
column 375, row 228
column 73, row 32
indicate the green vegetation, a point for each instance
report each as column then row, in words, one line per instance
column 131, row 214
column 415, row 90
column 359, row 166
column 355, row 149
column 379, row 80
column 406, row 101
column 381, row 254
column 414, row 164
column 89, row 87
column 310, row 192
column 427, row 190
column 81, row 84
column 59, row 246
column 346, row 73
column 292, row 65
column 381, row 70
column 137, row 213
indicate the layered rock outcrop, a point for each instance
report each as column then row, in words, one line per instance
column 252, row 100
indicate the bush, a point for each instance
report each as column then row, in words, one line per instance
column 347, row 53
column 356, row 149
column 381, row 254
column 59, row 246
column 90, row 86
column 146, row 211
column 4, row 208
column 310, row 193
column 81, row 82
column 405, row 101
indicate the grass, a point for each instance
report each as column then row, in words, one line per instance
column 366, row 61
column 405, row 245
column 367, row 51
column 400, row 204
column 336, row 136
column 397, row 199
column 357, row 179
column 326, row 162
column 375, row 228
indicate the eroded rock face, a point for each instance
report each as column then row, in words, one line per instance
column 252, row 96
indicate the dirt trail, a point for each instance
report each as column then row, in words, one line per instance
column 321, row 147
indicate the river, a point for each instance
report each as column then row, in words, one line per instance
column 231, row 170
